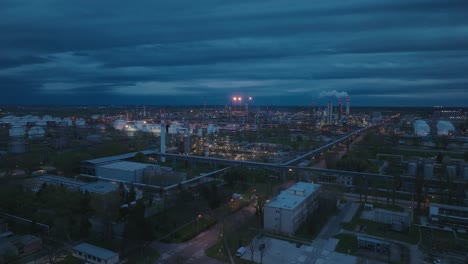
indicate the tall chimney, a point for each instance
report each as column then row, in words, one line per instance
column 340, row 104
column 347, row 105
column 163, row 134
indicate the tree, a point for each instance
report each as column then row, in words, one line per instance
column 140, row 157
column 253, row 247
column 136, row 228
column 29, row 163
column 262, row 251
column 107, row 209
column 215, row 200
column 261, row 200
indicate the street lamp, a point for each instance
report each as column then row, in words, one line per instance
column 198, row 221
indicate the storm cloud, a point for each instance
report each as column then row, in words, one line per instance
column 393, row 52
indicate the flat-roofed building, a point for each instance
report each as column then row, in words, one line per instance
column 125, row 171
column 89, row 166
column 99, row 187
column 287, row 211
column 451, row 215
column 374, row 244
column 96, row 255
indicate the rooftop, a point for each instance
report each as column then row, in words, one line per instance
column 293, row 196
column 117, row 157
column 373, row 240
column 100, row 187
column 95, row 251
column 92, row 187
column 450, row 207
column 125, row 166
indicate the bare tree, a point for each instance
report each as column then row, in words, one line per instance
column 253, row 247
column 262, row 250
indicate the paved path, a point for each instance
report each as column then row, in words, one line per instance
column 193, row 251
column 189, row 252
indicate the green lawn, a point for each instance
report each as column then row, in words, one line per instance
column 347, row 244
column 391, row 207
column 191, row 230
column 237, row 235
column 381, row 230
column 144, row 256
column 442, row 240
column 71, row 260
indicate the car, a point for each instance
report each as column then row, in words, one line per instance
column 241, row 251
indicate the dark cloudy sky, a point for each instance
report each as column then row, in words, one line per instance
column 395, row 52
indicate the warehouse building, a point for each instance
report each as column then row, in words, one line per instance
column 89, row 166
column 286, row 212
column 125, row 171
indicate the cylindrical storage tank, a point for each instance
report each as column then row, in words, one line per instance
column 139, row 124
column 67, row 122
column 412, row 169
column 80, row 122
column 16, row 147
column 36, row 132
column 40, row 123
column 428, row 170
column 119, row 124
column 452, row 171
column 17, row 131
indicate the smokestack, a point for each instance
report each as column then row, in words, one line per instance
column 163, row 134
column 347, row 105
column 340, row 104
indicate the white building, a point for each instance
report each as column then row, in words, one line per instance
column 93, row 254
column 287, row 211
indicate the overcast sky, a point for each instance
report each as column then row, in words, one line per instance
column 393, row 53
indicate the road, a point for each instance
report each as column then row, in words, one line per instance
column 193, row 251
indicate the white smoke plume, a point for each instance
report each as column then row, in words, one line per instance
column 333, row 93
column 421, row 128
column 444, row 127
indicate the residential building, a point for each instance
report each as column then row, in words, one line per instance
column 287, row 211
